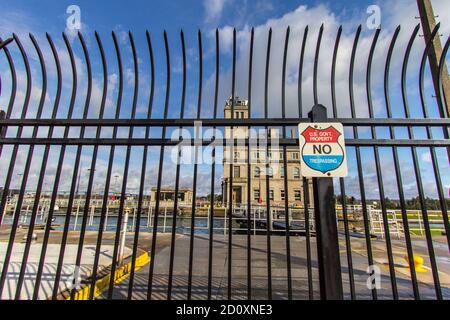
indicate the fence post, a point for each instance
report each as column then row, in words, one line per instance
column 326, row 228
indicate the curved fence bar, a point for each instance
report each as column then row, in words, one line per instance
column 15, row 222
column 240, row 229
column 195, row 173
column 285, row 180
column 417, row 171
column 161, row 159
column 300, row 73
column 316, row 65
column 442, row 64
column 42, row 169
column 177, row 174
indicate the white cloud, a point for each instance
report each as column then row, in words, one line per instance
column 313, row 17
column 426, row 157
column 213, row 9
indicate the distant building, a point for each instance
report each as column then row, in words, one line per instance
column 258, row 167
column 167, row 196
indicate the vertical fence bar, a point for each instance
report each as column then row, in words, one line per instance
column 249, row 172
column 396, row 163
column 197, row 137
column 105, row 207
column 213, row 171
column 422, row 200
column 326, row 229
column 384, row 216
column 55, row 189
column 306, row 200
column 56, row 183
column 341, row 180
column 231, row 171
column 118, row 258
column 177, row 176
column 285, row 180
column 43, row 165
column 160, row 169
column 268, row 171
column 306, row 203
column 87, row 200
column 17, row 210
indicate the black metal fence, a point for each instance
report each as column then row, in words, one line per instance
column 249, row 261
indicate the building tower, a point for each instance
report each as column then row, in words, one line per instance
column 258, row 166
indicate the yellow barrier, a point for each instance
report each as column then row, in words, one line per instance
column 418, row 263
column 121, row 274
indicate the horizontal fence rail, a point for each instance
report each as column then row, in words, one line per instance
column 217, row 232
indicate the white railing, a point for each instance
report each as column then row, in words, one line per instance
column 257, row 214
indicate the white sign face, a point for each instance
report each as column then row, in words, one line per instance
column 322, row 150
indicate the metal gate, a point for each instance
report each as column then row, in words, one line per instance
column 239, row 238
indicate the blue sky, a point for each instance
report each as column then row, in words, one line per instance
column 43, row 16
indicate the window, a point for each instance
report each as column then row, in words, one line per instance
column 256, row 195
column 257, row 172
column 298, row 195
column 282, row 194
column 282, row 172
column 281, row 155
column 271, row 194
column 295, row 156
column 270, row 172
column 296, row 173
column 236, row 155
column 237, row 172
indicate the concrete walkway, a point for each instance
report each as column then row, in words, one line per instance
column 279, row 270
column 50, row 265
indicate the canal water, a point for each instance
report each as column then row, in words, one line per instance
column 183, row 224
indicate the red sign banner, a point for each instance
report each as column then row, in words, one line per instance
column 328, row 135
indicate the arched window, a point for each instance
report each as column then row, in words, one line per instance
column 257, row 172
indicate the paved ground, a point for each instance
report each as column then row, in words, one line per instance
column 219, row 288
column 278, row 265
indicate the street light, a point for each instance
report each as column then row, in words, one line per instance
column 78, row 181
column 19, row 180
column 116, row 176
